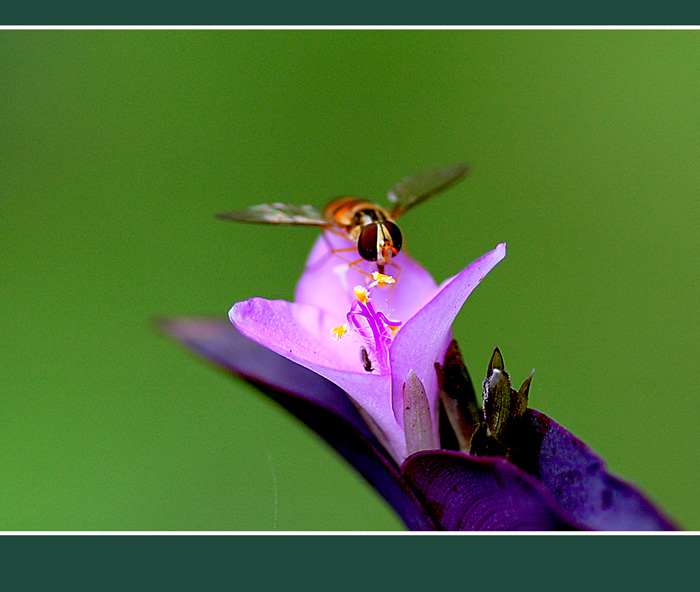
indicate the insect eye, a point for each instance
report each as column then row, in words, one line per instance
column 367, row 242
column 396, row 235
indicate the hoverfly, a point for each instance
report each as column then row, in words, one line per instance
column 370, row 226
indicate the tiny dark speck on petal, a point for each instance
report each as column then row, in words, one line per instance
column 569, row 476
column 607, row 499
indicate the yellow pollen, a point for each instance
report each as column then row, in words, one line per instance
column 338, row 332
column 382, row 279
column 362, row 294
column 394, row 330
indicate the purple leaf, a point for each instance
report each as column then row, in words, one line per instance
column 562, row 484
column 579, row 481
column 462, row 492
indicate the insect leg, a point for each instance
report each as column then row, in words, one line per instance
column 398, row 270
column 331, row 251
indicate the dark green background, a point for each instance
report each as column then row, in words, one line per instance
column 118, row 146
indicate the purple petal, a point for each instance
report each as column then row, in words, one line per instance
column 314, row 400
column 424, row 339
column 579, row 481
column 301, row 333
column 219, row 342
column 327, row 282
column 461, row 492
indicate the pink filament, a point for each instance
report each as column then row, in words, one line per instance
column 378, row 338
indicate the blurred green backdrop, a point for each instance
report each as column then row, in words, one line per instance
column 118, row 146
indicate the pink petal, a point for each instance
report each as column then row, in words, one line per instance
column 301, row 333
column 296, row 331
column 423, row 340
column 327, row 282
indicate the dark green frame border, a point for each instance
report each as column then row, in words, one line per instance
column 361, row 12
column 353, row 562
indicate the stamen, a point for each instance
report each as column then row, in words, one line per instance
column 381, row 280
column 338, row 332
column 388, row 322
column 373, row 327
column 362, row 294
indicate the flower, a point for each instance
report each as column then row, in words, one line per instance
column 499, row 466
column 367, row 334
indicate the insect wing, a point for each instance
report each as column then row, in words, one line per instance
column 278, row 213
column 417, row 188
